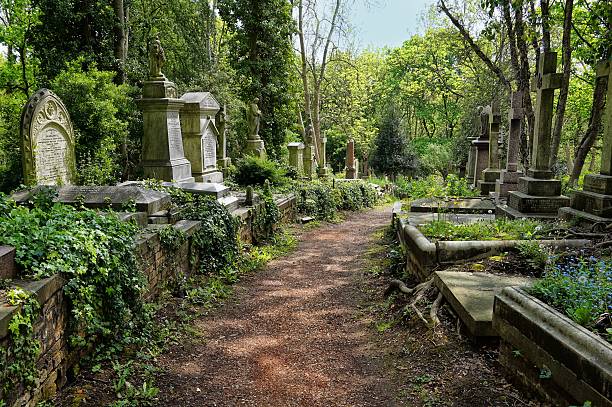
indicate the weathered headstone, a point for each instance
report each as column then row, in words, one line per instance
column 508, row 180
column 351, row 168
column 47, row 141
column 471, row 161
column 481, row 145
column 296, row 156
column 539, row 195
column 309, row 159
column 323, row 168
column 200, row 135
column 594, row 203
column 163, row 156
column 491, row 174
column 223, row 161
column 255, row 145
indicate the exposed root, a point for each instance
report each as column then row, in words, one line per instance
column 603, row 245
column 398, row 285
column 435, row 307
column 419, row 292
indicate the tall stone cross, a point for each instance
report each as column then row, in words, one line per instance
column 515, row 115
column 494, row 123
column 604, row 70
column 545, row 83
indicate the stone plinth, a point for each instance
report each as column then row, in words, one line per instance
column 163, row 156
column 310, row 162
column 7, row 262
column 255, row 148
column 296, row 156
column 481, row 158
column 200, row 135
column 488, row 181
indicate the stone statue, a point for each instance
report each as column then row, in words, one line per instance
column 157, row 59
column 253, row 118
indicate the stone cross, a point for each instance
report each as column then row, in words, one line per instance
column 545, row 83
column 515, row 116
column 604, row 70
column 494, row 122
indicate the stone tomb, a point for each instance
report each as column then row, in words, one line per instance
column 594, row 203
column 47, row 141
column 539, row 195
column 508, row 180
column 481, row 145
column 296, row 156
column 491, row 174
column 200, row 135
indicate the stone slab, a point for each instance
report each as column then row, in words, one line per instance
column 8, row 269
column 505, row 211
column 486, row 187
column 472, row 295
column 532, row 204
column 105, row 197
column 568, row 213
column 539, row 187
column 599, row 183
column 460, row 205
column 215, row 177
column 214, row 189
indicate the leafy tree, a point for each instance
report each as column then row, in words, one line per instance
column 392, row 155
column 261, row 54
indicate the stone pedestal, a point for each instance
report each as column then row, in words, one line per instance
column 491, row 174
column 163, row 156
column 323, row 171
column 539, row 195
column 481, row 158
column 594, row 203
column 255, row 147
column 296, row 156
column 310, row 162
column 200, row 135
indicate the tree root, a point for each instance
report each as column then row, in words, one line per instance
column 603, row 245
column 435, row 307
column 419, row 292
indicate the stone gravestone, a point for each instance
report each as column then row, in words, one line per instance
column 351, row 167
column 323, row 168
column 491, row 174
column 481, row 145
column 310, row 161
column 255, row 145
column 471, row 161
column 296, row 156
column 163, row 156
column 47, row 141
column 594, row 203
column 508, row 180
column 223, row 161
column 539, row 195
column 200, row 135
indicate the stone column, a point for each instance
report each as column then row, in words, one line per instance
column 594, row 203
column 351, row 171
column 163, row 156
column 491, row 174
column 296, row 156
column 223, row 161
column 469, row 167
column 481, row 145
column 539, row 195
column 323, row 170
column 508, row 180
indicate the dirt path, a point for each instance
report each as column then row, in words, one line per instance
column 292, row 336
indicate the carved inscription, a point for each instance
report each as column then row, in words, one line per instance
column 175, row 139
column 51, row 157
column 209, row 147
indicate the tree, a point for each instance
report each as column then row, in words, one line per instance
column 261, row 55
column 392, row 155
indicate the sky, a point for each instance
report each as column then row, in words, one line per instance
column 389, row 23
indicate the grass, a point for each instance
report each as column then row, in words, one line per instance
column 500, row 229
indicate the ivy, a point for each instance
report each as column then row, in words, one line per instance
column 18, row 360
column 267, row 216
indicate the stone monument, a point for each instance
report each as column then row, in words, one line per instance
column 200, row 135
column 163, row 156
column 47, row 141
column 508, row 180
column 296, row 156
column 471, row 161
column 255, row 145
column 539, row 195
column 323, row 168
column 310, row 161
column 491, row 174
column 223, row 161
column 594, row 203
column 351, row 167
column 481, row 145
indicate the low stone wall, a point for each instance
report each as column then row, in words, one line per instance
column 159, row 264
column 551, row 355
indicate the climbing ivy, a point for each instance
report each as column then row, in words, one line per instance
column 267, row 215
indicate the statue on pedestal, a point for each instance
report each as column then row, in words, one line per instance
column 253, row 119
column 157, row 59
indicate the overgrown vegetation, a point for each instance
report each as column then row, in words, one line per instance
column 322, row 200
column 500, row 229
column 434, row 187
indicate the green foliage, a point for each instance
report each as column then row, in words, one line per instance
column 171, row 238
column 10, row 140
column 459, row 187
column 18, row 360
column 255, row 171
column 433, row 186
column 535, row 253
column 267, row 216
column 500, row 229
column 128, row 394
column 580, row 287
column 101, row 112
column 315, row 199
column 94, row 253
column 391, row 155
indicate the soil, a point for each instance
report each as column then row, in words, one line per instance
column 313, row 329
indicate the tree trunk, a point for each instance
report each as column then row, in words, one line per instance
column 304, row 70
column 544, row 8
column 599, row 94
column 563, row 92
column 120, row 44
column 524, row 86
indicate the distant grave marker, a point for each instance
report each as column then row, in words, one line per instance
column 47, row 140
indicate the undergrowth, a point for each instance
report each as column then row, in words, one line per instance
column 500, row 229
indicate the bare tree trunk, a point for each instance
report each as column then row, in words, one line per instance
column 524, row 85
column 304, row 69
column 563, row 92
column 544, row 7
column 599, row 93
column 120, row 45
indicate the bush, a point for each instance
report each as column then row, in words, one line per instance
column 500, row 229
column 255, row 171
column 315, row 199
column 101, row 112
column 433, row 186
column 581, row 288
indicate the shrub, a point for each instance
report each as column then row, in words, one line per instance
column 315, row 199
column 582, row 289
column 500, row 229
column 255, row 171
